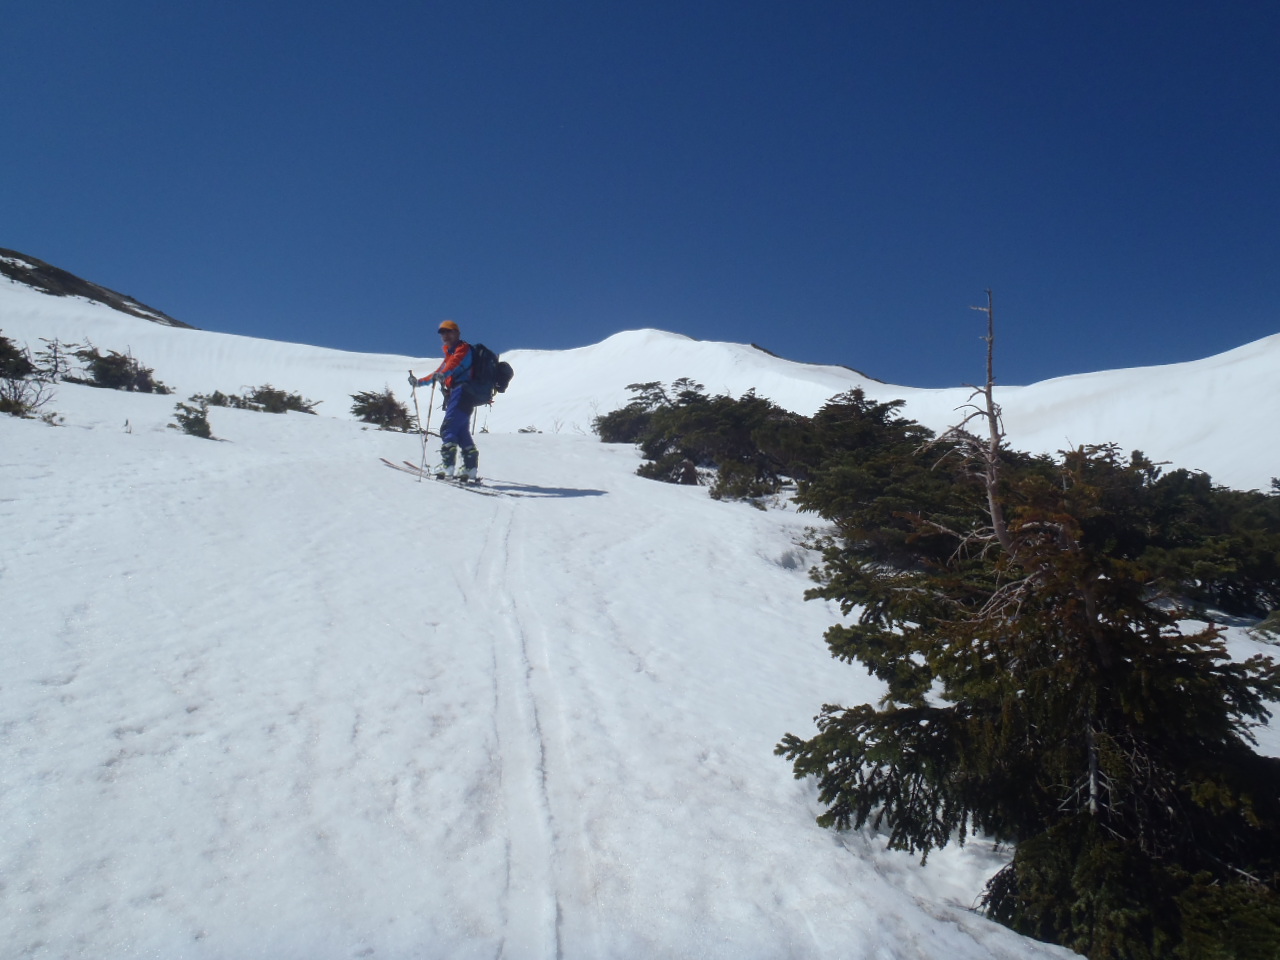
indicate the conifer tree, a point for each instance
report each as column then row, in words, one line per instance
column 15, row 362
column 1044, row 687
column 383, row 409
column 115, row 371
column 193, row 418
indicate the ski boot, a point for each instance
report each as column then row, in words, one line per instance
column 448, row 461
column 470, row 466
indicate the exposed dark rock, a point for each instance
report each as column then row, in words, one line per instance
column 59, row 283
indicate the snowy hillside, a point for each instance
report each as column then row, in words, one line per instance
column 268, row 698
column 1217, row 415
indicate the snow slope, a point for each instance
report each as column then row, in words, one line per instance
column 1218, row 415
column 268, row 698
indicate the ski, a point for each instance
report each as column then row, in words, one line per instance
column 412, row 469
column 403, row 468
column 475, row 486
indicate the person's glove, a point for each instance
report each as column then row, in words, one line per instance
column 413, row 381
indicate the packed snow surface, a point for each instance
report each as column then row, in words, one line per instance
column 267, row 698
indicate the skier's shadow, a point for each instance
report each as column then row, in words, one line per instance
column 516, row 489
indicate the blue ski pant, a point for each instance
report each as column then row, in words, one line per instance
column 456, row 427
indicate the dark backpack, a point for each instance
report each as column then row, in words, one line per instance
column 489, row 374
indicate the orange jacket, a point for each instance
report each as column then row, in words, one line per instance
column 455, row 369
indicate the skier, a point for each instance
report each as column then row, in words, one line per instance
column 453, row 375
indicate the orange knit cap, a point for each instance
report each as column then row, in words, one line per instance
column 448, row 325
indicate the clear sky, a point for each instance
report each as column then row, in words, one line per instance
column 835, row 181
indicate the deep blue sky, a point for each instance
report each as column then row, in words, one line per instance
column 836, row 181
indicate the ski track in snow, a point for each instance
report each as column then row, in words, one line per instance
column 531, row 892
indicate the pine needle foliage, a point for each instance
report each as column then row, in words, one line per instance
column 115, row 371
column 630, row 423
column 263, row 399
column 15, row 362
column 193, row 418
column 269, row 399
column 1029, row 620
column 740, row 443
column 382, row 409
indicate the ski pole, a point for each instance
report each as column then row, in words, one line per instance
column 422, row 469
column 417, row 414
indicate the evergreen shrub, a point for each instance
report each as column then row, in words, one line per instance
column 263, row 399
column 194, row 419
column 737, row 444
column 629, row 423
column 270, row 400
column 15, row 362
column 115, row 371
column 384, row 410
column 1028, row 617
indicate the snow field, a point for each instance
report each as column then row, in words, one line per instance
column 269, row 698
